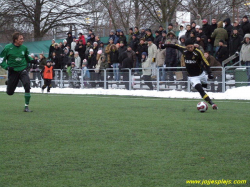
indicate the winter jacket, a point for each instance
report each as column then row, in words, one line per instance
column 121, row 50
column 234, row 43
column 240, row 31
column 152, row 50
column 73, row 46
column 245, row 26
column 157, row 40
column 42, row 63
column 83, row 40
column 123, row 39
column 107, row 52
column 219, row 34
column 91, row 61
column 81, row 50
column 206, row 28
column 69, row 40
column 228, row 27
column 160, row 57
column 132, row 56
column 173, row 39
column 134, row 43
column 114, row 56
column 126, row 61
column 78, row 62
column 146, row 66
column 187, row 34
column 245, row 50
column 182, row 32
column 140, row 49
column 213, row 63
column 149, row 36
column 222, row 53
column 171, row 57
column 213, row 27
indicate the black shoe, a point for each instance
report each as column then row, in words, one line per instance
column 26, row 109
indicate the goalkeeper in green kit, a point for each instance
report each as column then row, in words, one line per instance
column 15, row 58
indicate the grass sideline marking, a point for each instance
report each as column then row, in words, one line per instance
column 131, row 97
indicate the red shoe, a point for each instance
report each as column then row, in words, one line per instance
column 215, row 107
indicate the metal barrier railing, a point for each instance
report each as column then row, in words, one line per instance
column 167, row 78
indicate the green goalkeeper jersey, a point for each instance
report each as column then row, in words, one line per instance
column 14, row 56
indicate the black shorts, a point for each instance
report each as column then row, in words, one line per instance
column 13, row 79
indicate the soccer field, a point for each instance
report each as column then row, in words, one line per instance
column 118, row 141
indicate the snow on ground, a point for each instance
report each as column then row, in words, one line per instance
column 241, row 93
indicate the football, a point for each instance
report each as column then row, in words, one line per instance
column 202, row 106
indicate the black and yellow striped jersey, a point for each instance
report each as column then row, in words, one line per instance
column 195, row 61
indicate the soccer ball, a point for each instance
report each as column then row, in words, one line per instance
column 202, row 106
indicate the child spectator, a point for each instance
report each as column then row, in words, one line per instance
column 77, row 60
column 47, row 74
column 85, row 73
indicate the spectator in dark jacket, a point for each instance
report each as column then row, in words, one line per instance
column 245, row 25
column 206, row 28
column 158, row 38
column 164, row 37
column 222, row 53
column 122, row 38
column 112, row 35
column 235, row 42
column 228, row 27
column 149, row 35
column 134, row 42
column 142, row 47
column 114, row 61
column 237, row 26
column 80, row 48
column 121, row 49
column 51, row 48
column 211, row 40
column 69, row 39
column 187, row 35
column 170, row 61
column 126, row 63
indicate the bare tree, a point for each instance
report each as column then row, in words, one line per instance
column 161, row 11
column 43, row 15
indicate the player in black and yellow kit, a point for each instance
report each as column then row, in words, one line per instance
column 47, row 74
column 195, row 63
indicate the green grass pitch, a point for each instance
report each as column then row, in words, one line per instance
column 114, row 141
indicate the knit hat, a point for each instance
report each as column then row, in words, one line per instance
column 204, row 20
column 222, row 41
column 144, row 53
column 189, row 42
column 245, row 17
column 99, row 52
column 84, row 62
column 110, row 39
column 197, row 26
column 73, row 63
column 165, row 32
column 91, row 50
column 149, row 39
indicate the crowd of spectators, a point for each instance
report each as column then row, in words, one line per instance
column 144, row 48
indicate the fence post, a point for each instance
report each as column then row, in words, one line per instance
column 188, row 86
column 105, row 79
column 130, row 82
column 81, row 79
column 223, row 79
column 158, row 79
column 61, row 78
